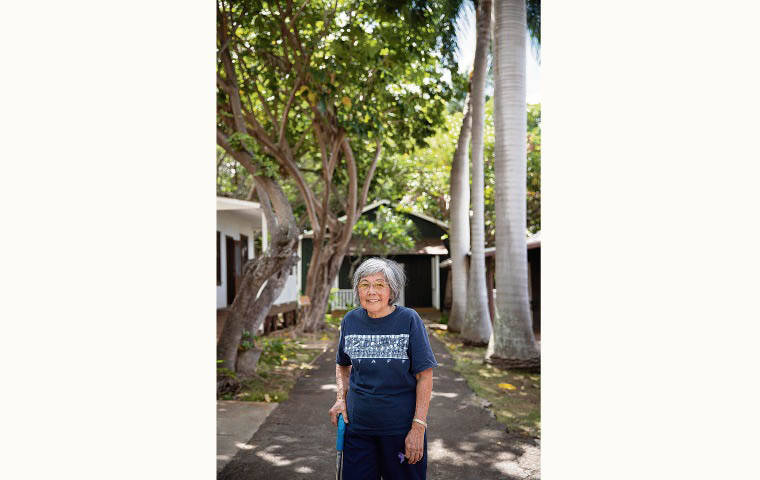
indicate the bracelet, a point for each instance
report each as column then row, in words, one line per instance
column 420, row 422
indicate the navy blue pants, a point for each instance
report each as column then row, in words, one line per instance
column 368, row 457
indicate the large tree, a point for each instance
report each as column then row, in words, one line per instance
column 324, row 88
column 476, row 328
column 252, row 302
column 513, row 343
column 262, row 280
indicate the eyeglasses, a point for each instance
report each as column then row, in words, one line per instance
column 364, row 286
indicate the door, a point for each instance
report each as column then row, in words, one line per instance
column 229, row 244
column 419, row 286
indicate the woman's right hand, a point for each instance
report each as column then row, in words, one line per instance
column 338, row 407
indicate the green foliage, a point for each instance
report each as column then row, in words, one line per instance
column 225, row 372
column 274, row 379
column 247, row 341
column 534, row 168
column 242, row 141
column 387, row 231
column 332, row 320
column 373, row 69
column 276, row 351
column 227, row 382
column 232, row 180
column 534, row 25
column 420, row 178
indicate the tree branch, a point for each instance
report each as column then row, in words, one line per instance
column 244, row 158
column 233, row 91
column 351, row 212
column 327, row 173
column 286, row 110
column 255, row 84
column 370, row 174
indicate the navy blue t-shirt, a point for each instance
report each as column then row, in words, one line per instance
column 385, row 354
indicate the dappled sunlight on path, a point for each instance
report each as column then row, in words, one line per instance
column 465, row 442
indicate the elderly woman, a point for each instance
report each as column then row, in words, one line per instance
column 385, row 349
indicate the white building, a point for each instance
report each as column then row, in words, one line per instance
column 237, row 223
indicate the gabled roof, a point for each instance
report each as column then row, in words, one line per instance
column 310, row 233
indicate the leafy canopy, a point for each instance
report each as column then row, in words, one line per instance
column 385, row 232
column 373, row 69
column 419, row 179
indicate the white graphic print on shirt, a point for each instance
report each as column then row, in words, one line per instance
column 377, row 346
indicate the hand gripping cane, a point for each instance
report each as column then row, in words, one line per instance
column 339, row 448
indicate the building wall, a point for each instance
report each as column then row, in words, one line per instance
column 290, row 290
column 424, row 266
column 233, row 225
column 230, row 224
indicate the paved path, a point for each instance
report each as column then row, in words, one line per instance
column 297, row 440
column 236, row 422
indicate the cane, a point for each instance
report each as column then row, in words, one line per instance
column 339, row 448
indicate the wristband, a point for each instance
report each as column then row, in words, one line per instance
column 420, row 422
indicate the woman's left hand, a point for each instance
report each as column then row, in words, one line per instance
column 414, row 443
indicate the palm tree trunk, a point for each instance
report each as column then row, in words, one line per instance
column 459, row 214
column 512, row 343
column 477, row 326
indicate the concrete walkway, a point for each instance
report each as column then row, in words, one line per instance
column 297, row 441
column 236, row 422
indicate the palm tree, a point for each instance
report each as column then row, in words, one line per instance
column 477, row 326
column 513, row 343
column 459, row 225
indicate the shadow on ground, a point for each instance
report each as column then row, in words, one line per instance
column 297, row 441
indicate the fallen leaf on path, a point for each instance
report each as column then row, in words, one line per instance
column 507, row 386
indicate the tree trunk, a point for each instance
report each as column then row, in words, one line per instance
column 513, row 343
column 250, row 306
column 491, row 284
column 459, row 229
column 331, row 244
column 476, row 329
column 447, row 294
column 323, row 269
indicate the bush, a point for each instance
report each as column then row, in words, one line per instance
column 247, row 341
column 332, row 320
column 227, row 383
column 276, row 351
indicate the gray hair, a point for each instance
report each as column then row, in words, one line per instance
column 394, row 274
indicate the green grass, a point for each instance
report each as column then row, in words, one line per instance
column 519, row 409
column 285, row 357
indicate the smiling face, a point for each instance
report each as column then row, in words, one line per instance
column 374, row 294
